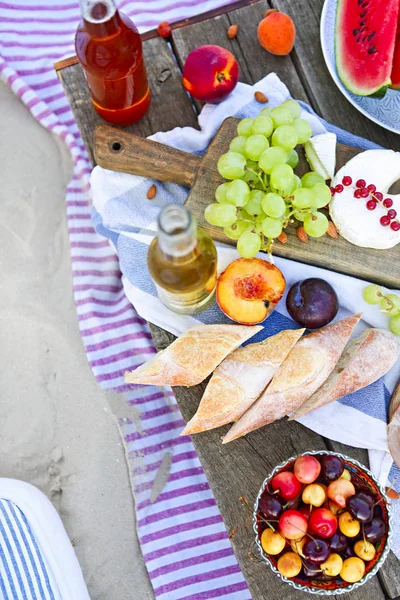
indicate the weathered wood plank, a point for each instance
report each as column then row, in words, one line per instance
column 325, row 96
column 170, row 105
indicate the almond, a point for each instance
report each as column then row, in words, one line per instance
column 332, row 231
column 270, row 11
column 392, row 494
column 152, row 191
column 301, row 234
column 232, row 31
column 282, row 238
column 260, row 97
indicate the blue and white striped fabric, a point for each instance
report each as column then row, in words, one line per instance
column 24, row 572
column 123, row 213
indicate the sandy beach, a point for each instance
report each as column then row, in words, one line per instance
column 58, row 431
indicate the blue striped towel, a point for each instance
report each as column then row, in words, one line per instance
column 122, row 213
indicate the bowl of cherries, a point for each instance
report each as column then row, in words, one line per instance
column 322, row 523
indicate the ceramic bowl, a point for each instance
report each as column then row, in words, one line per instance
column 361, row 477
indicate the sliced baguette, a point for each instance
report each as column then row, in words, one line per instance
column 364, row 360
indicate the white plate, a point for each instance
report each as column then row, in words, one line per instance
column 384, row 111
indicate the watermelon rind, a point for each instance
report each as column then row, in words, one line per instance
column 378, row 92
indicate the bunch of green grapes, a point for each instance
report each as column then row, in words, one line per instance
column 263, row 193
column 389, row 304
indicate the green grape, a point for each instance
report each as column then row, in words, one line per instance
column 249, row 244
column 296, row 183
column 394, row 325
column 299, row 215
column 266, row 112
column 237, row 144
column 292, row 106
column 293, row 159
column 220, row 193
column 312, row 178
column 390, row 305
column 263, row 125
column 245, row 127
column 285, row 137
column 255, row 146
column 250, row 175
column 372, row 294
column 316, row 224
column 303, row 198
column 322, row 195
column 237, row 192
column 281, row 116
column 235, row 231
column 274, row 205
column 303, row 130
column 282, row 177
column 271, row 158
column 231, row 165
column 221, row 215
column 253, row 206
column 272, row 228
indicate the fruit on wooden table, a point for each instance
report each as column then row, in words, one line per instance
column 271, row 506
column 375, row 530
column 349, row 525
column 210, row 73
column 249, row 289
column 333, row 565
column 277, row 33
column 272, row 542
column 316, row 551
column 313, row 303
column 287, row 485
column 307, row 469
column 365, row 43
column 340, row 490
column 331, row 467
column 289, row 565
column 164, row 29
column 360, row 508
column 353, row 569
column 314, row 494
column 364, row 550
column 293, row 525
column 323, row 522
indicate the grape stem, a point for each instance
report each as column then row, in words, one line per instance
column 259, row 177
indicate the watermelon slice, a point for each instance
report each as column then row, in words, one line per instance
column 395, row 76
column 364, row 44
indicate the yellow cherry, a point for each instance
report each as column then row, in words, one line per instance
column 333, row 565
column 353, row 569
column 272, row 542
column 364, row 550
column 349, row 526
column 289, row 565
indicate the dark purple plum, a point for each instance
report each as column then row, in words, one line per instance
column 338, row 542
column 348, row 552
column 360, row 508
column 270, row 506
column 375, row 530
column 316, row 551
column 312, row 303
column 367, row 496
column 331, row 468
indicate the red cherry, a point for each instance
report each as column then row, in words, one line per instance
column 339, row 188
column 323, row 522
column 392, row 214
column 371, row 205
column 287, row 485
column 385, row 220
column 332, row 190
column 388, row 202
column 357, row 194
column 371, row 188
column 347, row 180
column 361, row 183
column 364, row 193
column 164, row 29
column 395, row 225
column 378, row 196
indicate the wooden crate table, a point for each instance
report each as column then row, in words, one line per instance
column 238, row 469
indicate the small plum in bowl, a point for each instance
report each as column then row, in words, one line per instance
column 312, row 303
column 210, row 73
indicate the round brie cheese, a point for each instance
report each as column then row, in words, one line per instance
column 353, row 220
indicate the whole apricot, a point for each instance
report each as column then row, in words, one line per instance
column 277, row 33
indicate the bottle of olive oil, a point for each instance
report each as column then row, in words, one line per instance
column 182, row 261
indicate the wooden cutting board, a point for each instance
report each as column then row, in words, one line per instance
column 121, row 151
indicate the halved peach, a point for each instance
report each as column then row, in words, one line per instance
column 249, row 289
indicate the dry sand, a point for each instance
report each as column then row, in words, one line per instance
column 57, row 431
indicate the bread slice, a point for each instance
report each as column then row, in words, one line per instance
column 192, row 356
column 364, row 360
column 306, row 368
column 239, row 380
